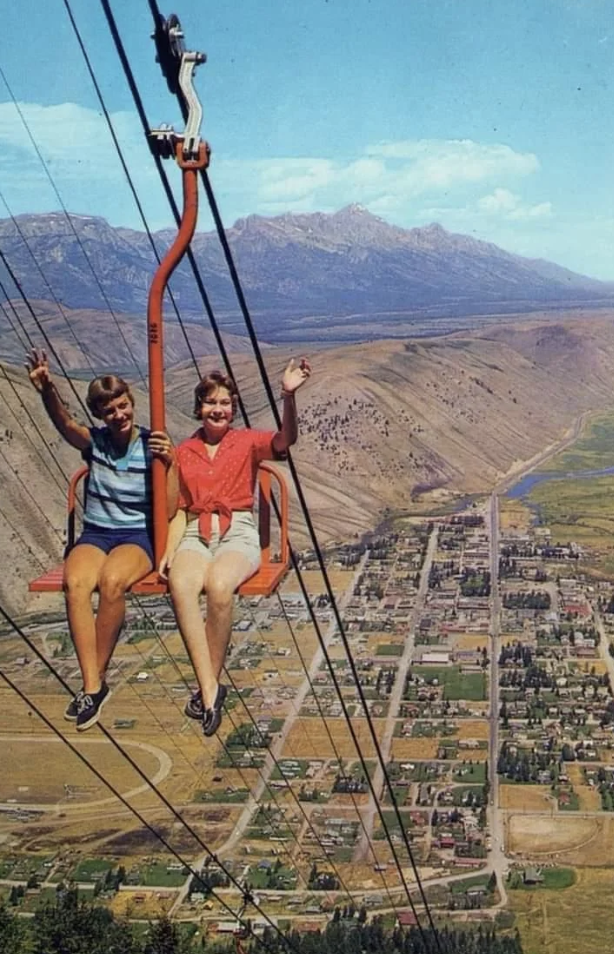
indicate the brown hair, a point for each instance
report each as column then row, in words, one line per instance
column 211, row 382
column 104, row 389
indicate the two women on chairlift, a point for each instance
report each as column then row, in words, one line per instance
column 213, row 544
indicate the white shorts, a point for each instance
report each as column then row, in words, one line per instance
column 241, row 537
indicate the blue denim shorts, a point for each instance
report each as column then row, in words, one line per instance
column 106, row 538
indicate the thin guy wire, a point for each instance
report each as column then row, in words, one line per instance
column 176, row 814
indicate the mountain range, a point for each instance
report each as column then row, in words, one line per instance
column 342, row 277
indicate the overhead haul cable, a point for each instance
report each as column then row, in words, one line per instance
column 266, row 382
column 267, row 385
column 163, row 178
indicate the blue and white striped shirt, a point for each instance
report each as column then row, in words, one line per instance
column 118, row 488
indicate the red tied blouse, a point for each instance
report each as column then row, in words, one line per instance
column 225, row 482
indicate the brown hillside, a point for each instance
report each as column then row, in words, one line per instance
column 380, row 424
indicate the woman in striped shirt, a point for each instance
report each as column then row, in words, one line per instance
column 115, row 548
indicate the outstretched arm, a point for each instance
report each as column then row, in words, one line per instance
column 293, row 379
column 76, row 434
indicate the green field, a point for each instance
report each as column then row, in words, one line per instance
column 160, row 876
column 456, row 685
column 594, row 449
column 554, row 879
column 581, row 510
column 389, row 649
column 477, row 881
column 473, row 774
column 91, row 869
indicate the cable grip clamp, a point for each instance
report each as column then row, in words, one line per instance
column 178, row 66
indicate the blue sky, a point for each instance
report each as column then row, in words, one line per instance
column 492, row 117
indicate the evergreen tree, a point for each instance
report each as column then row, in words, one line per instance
column 11, row 933
column 68, row 925
column 166, row 938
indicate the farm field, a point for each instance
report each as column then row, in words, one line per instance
column 302, row 738
column 570, row 920
column 472, row 729
column 514, row 514
column 41, row 769
column 470, row 641
column 415, row 748
column 581, row 510
column 339, row 578
column 525, row 798
column 589, row 798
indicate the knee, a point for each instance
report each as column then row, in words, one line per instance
column 182, row 588
column 220, row 593
column 77, row 585
column 112, row 586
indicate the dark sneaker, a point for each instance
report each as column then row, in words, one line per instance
column 72, row 709
column 90, row 705
column 194, row 708
column 212, row 717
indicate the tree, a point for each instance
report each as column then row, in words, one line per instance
column 12, row 933
column 166, row 938
column 69, row 925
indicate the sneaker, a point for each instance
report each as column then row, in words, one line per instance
column 72, row 709
column 194, row 708
column 90, row 705
column 212, row 717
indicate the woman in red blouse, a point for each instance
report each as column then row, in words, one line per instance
column 213, row 543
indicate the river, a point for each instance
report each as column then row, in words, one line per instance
column 527, row 483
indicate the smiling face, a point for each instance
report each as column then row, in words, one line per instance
column 216, row 413
column 118, row 415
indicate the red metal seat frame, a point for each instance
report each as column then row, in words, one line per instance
column 271, row 486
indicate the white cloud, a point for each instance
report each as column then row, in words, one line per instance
column 502, row 202
column 397, row 180
column 444, row 161
column 294, row 179
column 70, row 137
column 388, row 177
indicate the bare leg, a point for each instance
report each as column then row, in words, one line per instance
column 124, row 566
column 227, row 573
column 81, row 572
column 186, row 581
column 190, row 574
